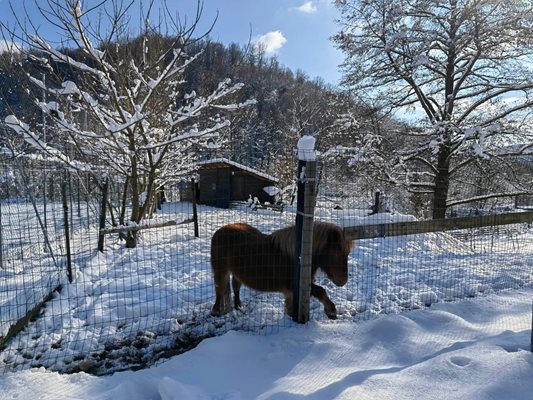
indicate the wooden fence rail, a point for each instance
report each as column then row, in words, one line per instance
column 132, row 228
column 436, row 225
column 24, row 321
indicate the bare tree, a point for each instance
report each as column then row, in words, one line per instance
column 138, row 123
column 464, row 65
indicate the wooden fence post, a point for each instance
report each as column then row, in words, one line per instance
column 78, row 192
column 306, row 259
column 375, row 208
column 103, row 209
column 87, row 191
column 194, row 208
column 67, row 229
column 1, row 240
column 300, row 197
column 304, row 229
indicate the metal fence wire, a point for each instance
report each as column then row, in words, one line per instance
column 68, row 307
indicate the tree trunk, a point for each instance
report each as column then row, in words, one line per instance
column 442, row 183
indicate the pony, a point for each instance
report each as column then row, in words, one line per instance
column 265, row 263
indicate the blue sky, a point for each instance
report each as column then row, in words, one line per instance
column 297, row 32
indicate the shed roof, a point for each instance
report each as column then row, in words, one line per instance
column 225, row 163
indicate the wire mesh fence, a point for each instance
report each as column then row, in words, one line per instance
column 129, row 307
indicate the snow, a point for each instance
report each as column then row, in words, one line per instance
column 271, row 190
column 129, row 307
column 476, row 350
column 306, row 148
column 126, row 308
column 360, row 217
column 9, row 46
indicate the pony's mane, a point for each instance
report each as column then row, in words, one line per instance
column 285, row 238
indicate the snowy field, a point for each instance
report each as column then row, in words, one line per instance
column 476, row 349
column 131, row 308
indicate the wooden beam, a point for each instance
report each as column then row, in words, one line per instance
column 23, row 322
column 436, row 225
column 118, row 229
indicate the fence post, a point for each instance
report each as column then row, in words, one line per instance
column 67, row 229
column 194, row 208
column 79, row 195
column 376, row 208
column 71, row 200
column 304, row 229
column 87, row 191
column 1, row 240
column 102, row 215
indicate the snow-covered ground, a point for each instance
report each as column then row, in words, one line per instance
column 476, row 349
column 33, row 253
column 128, row 308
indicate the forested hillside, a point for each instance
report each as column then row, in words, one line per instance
column 263, row 135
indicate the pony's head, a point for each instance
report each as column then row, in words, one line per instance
column 330, row 251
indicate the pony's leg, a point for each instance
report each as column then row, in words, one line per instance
column 320, row 293
column 223, row 293
column 236, row 285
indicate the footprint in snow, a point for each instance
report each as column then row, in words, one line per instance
column 460, row 361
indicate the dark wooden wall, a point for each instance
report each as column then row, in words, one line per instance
column 244, row 185
column 215, row 187
column 218, row 187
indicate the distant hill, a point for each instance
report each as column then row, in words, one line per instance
column 288, row 103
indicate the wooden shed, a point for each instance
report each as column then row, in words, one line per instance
column 222, row 181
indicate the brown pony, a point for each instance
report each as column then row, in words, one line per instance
column 265, row 262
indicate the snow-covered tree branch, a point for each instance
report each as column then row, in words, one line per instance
column 136, row 116
column 464, row 66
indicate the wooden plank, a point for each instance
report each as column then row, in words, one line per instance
column 436, row 225
column 23, row 322
column 118, row 229
column 273, row 207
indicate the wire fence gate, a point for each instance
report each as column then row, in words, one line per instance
column 68, row 307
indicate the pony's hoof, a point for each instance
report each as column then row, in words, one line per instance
column 215, row 312
column 331, row 311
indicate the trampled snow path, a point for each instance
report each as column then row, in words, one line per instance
column 476, row 349
column 127, row 308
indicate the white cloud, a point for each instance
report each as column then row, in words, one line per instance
column 271, row 42
column 307, row 8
